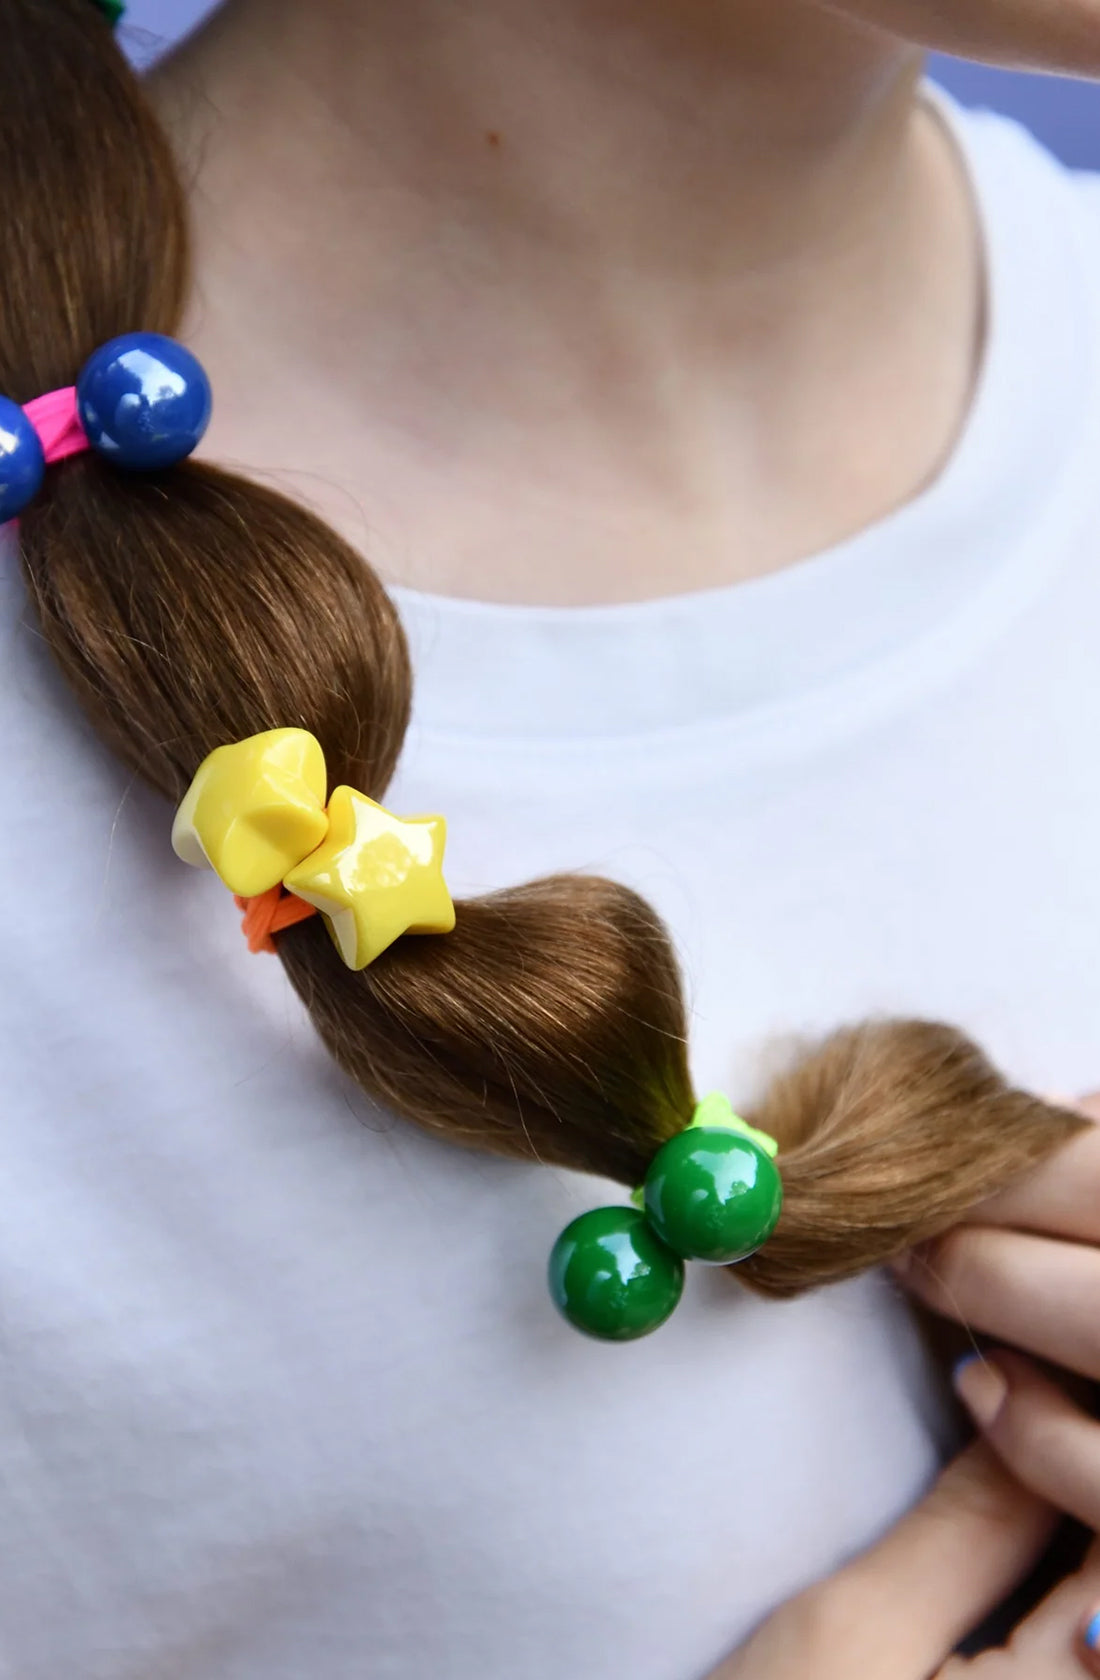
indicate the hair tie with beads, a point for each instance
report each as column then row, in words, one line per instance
column 256, row 813
column 712, row 1193
column 141, row 401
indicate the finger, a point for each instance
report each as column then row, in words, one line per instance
column 1037, row 1431
column 1025, row 34
column 1087, row 1642
column 1061, row 1196
column 897, row 1611
column 946, row 1565
column 1034, row 1292
column 1088, row 1639
column 1088, row 1622
column 1050, row 1641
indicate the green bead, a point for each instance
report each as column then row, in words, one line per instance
column 113, row 10
column 713, row 1194
column 612, row 1276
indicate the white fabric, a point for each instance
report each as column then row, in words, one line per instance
column 283, row 1397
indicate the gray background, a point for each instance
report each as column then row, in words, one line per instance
column 1065, row 114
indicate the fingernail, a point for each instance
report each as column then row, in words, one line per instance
column 1091, row 1634
column 981, row 1387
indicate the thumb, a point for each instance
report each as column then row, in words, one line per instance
column 900, row 1609
column 955, row 1557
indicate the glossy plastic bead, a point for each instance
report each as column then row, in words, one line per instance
column 713, row 1194
column 612, row 1276
column 375, row 877
column 22, row 462
column 254, row 810
column 144, row 401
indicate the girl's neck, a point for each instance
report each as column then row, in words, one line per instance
column 677, row 293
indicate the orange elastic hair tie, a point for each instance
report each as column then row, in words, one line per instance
column 269, row 914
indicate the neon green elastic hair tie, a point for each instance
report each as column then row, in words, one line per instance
column 713, row 1193
column 717, row 1111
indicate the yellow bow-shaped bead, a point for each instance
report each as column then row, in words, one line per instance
column 375, row 877
column 255, row 809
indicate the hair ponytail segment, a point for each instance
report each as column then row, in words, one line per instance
column 193, row 608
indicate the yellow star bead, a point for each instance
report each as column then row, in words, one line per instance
column 375, row 877
column 255, row 809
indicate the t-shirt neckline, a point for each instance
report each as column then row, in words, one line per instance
column 522, row 674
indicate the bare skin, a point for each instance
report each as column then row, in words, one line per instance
column 586, row 302
column 897, row 1612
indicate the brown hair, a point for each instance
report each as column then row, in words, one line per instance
column 193, row 608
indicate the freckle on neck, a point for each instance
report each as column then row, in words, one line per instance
column 492, row 140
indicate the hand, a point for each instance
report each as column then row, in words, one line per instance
column 1026, row 1271
column 898, row 1611
column 1028, row 34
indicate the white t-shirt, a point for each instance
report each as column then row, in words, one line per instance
column 283, row 1396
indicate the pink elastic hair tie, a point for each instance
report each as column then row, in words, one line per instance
column 55, row 419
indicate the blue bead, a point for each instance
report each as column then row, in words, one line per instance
column 144, row 401
column 22, row 462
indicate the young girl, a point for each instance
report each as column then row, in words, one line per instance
column 583, row 325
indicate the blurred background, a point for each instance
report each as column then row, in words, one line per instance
column 1065, row 114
